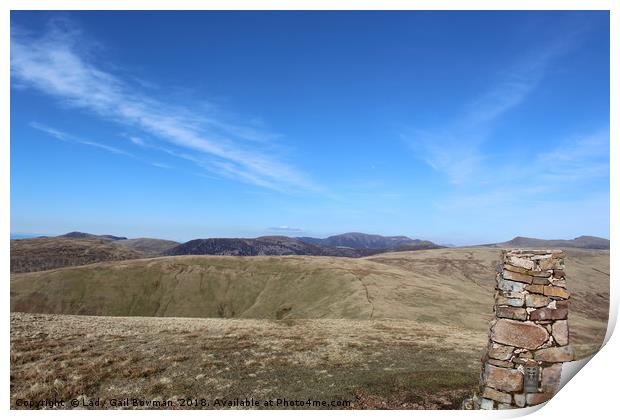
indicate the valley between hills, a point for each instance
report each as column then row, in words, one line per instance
column 392, row 329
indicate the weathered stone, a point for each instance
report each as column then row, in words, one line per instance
column 538, row 398
column 511, row 312
column 511, row 275
column 560, row 332
column 535, row 288
column 520, row 270
column 524, row 353
column 523, row 358
column 551, row 378
column 536, row 301
column 542, row 256
column 537, row 273
column 499, row 267
column 519, row 400
column 531, row 307
column 508, row 380
column 503, row 406
column 559, row 283
column 511, row 295
column 549, row 263
column 510, row 286
column 555, row 354
column 486, row 404
column 520, row 262
column 554, row 291
column 519, row 334
column 534, row 251
column 501, row 363
column 549, row 314
column 513, row 268
column 540, row 280
column 494, row 394
column 522, row 254
column 500, row 351
column 503, row 300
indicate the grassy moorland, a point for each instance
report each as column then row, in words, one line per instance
column 393, row 330
column 389, row 363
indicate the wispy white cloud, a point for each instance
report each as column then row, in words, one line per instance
column 285, row 229
column 573, row 162
column 455, row 148
column 161, row 165
column 453, row 155
column 136, row 140
column 61, row 135
column 576, row 171
column 581, row 158
column 536, row 190
column 70, row 138
column 59, row 64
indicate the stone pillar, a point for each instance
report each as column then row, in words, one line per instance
column 528, row 340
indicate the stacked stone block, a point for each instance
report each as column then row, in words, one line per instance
column 528, row 340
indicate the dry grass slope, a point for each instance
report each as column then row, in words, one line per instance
column 393, row 330
column 450, row 287
column 588, row 281
column 373, row 364
column 147, row 246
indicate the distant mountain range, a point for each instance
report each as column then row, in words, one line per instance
column 265, row 245
column 358, row 240
column 587, row 242
column 82, row 235
column 345, row 245
column 79, row 248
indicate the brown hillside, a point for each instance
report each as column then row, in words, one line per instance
column 36, row 254
column 433, row 287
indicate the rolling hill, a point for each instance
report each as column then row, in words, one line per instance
column 36, row 254
column 147, row 246
column 585, row 242
column 392, row 330
column 345, row 245
column 358, row 240
column 80, row 248
column 264, row 245
column 83, row 235
column 451, row 287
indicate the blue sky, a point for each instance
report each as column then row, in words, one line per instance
column 459, row 127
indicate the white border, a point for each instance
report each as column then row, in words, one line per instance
column 591, row 394
column 309, row 5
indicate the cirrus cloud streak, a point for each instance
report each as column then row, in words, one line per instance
column 58, row 64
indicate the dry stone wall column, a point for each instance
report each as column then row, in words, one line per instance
column 529, row 339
